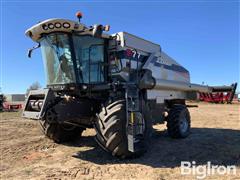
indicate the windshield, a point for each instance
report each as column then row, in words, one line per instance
column 86, row 65
column 58, row 59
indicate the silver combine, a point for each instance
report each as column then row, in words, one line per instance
column 119, row 84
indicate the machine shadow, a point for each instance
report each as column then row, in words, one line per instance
column 219, row 146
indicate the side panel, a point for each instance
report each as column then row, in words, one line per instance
column 164, row 67
column 131, row 49
column 161, row 95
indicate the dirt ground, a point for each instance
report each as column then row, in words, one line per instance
column 27, row 154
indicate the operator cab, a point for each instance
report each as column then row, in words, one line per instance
column 73, row 58
column 73, row 54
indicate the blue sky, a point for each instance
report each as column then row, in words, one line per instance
column 203, row 36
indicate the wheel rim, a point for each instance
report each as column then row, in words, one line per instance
column 183, row 125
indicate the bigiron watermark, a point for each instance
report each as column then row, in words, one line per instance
column 202, row 171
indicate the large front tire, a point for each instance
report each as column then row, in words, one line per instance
column 111, row 127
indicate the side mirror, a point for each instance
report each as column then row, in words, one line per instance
column 29, row 53
column 97, row 30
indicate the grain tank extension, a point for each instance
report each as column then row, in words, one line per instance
column 119, row 84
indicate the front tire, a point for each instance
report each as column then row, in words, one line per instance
column 178, row 121
column 59, row 133
column 112, row 132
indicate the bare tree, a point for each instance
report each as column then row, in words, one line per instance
column 36, row 85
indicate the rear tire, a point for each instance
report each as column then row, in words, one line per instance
column 59, row 133
column 178, row 121
column 112, row 132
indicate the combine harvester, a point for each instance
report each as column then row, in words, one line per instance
column 119, row 84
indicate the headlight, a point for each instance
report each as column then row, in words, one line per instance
column 44, row 26
column 66, row 25
column 57, row 25
column 50, row 26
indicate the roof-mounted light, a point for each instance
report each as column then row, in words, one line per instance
column 58, row 25
column 79, row 16
column 66, row 25
column 45, row 27
column 50, row 26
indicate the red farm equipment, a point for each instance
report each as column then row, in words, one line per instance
column 219, row 95
column 11, row 106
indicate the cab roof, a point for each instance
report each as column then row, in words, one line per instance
column 54, row 25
